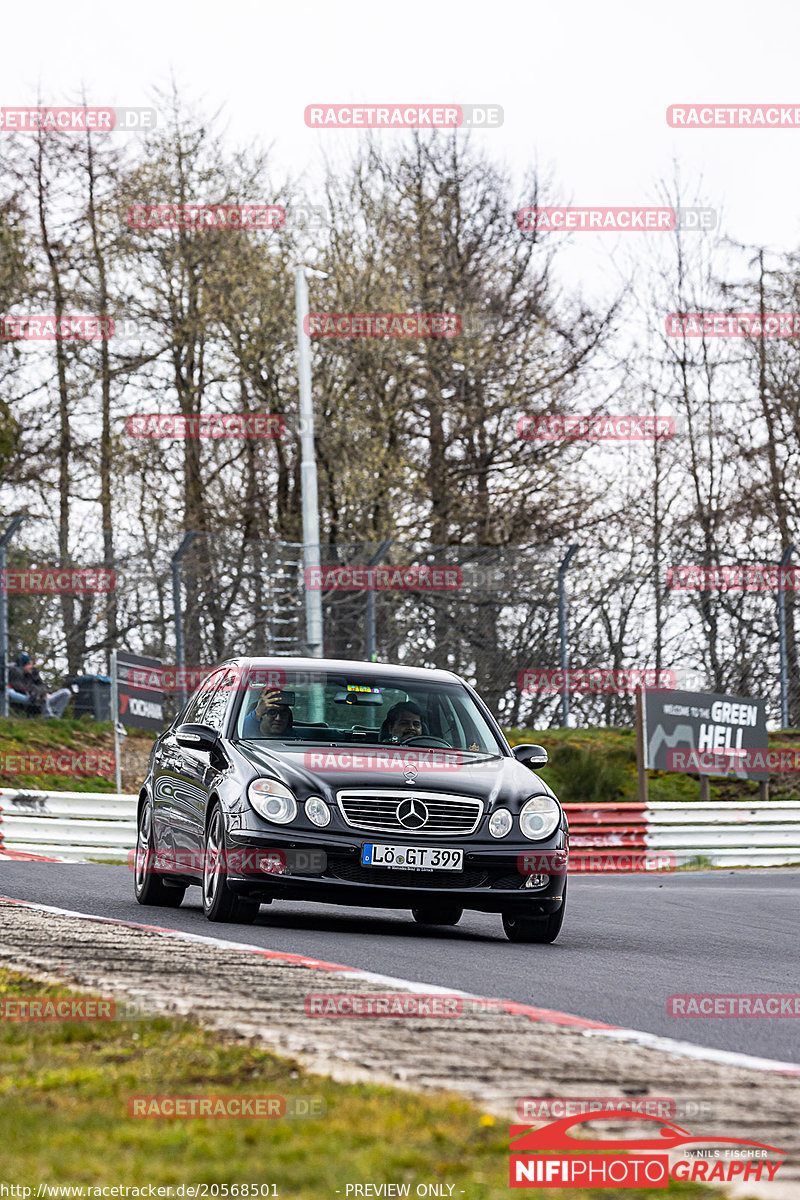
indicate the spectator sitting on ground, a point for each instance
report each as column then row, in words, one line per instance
column 27, row 688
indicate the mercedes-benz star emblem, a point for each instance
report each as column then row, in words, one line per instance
column 410, row 773
column 412, row 813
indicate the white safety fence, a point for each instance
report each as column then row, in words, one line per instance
column 70, row 826
column 80, row 825
column 729, row 834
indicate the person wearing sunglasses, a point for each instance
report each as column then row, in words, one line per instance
column 271, row 717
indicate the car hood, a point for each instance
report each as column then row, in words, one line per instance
column 328, row 769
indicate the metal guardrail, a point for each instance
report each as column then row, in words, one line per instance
column 69, row 826
column 735, row 834
column 80, row 825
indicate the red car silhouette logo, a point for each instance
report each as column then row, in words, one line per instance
column 556, row 1136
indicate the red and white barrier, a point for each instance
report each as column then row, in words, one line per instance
column 648, row 836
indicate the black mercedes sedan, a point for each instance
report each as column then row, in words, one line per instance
column 350, row 783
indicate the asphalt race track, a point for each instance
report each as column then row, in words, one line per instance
column 627, row 944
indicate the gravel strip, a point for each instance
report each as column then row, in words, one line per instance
column 493, row 1058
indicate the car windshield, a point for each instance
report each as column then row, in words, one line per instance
column 332, row 708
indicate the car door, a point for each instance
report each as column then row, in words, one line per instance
column 200, row 766
column 174, row 786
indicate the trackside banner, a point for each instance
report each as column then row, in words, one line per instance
column 706, row 734
column 141, row 705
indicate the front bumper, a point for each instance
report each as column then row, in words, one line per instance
column 491, row 880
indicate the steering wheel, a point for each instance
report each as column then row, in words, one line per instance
column 425, row 739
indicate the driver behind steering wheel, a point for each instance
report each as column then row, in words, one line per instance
column 403, row 721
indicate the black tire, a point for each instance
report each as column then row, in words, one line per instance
column 149, row 887
column 541, row 930
column 219, row 902
column 445, row 914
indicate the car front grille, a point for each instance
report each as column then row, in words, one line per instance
column 435, row 814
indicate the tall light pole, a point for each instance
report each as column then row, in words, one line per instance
column 13, row 526
column 787, row 554
column 308, row 463
column 370, row 637
column 180, row 653
column 562, row 631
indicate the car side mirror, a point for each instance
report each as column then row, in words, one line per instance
column 532, row 756
column 195, row 737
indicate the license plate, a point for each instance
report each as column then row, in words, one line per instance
column 412, row 858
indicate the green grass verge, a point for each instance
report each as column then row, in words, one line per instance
column 586, row 765
column 64, row 1088
column 32, row 736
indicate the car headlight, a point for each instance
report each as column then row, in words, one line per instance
column 317, row 811
column 500, row 822
column 272, row 800
column 539, row 817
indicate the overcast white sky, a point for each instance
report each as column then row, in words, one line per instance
column 584, row 86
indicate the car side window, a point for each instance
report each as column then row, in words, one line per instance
column 469, row 733
column 214, row 714
column 196, row 708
